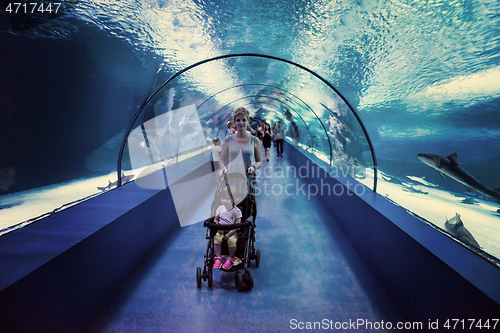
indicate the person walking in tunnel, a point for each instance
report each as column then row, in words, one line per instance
column 230, row 127
column 242, row 143
column 279, row 137
column 215, row 156
column 266, row 140
column 272, row 136
column 262, row 127
column 252, row 127
column 259, row 130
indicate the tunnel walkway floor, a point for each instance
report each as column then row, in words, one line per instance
column 308, row 273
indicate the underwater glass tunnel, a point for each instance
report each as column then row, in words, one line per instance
column 317, row 118
column 398, row 101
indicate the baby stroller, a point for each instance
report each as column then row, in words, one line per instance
column 245, row 248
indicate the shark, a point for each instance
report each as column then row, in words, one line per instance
column 449, row 166
column 456, row 227
column 125, row 179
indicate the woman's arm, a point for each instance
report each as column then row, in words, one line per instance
column 258, row 158
column 258, row 154
column 224, row 154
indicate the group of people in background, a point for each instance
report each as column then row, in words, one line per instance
column 265, row 133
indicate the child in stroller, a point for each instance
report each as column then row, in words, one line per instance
column 244, row 231
column 227, row 214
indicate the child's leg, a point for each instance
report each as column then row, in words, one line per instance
column 231, row 244
column 217, row 249
column 217, row 244
column 232, row 251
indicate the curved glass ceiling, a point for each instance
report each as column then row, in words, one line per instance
column 184, row 114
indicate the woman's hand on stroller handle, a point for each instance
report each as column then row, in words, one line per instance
column 251, row 170
column 222, row 171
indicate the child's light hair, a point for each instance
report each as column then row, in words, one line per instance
column 241, row 111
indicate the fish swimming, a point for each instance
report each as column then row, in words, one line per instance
column 125, row 179
column 456, row 227
column 449, row 166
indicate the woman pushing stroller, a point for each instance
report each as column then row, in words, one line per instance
column 244, row 143
column 234, row 209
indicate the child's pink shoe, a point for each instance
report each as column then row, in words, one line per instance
column 217, row 263
column 229, row 263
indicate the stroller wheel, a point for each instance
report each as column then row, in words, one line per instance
column 210, row 278
column 248, row 279
column 238, row 280
column 198, row 277
column 257, row 258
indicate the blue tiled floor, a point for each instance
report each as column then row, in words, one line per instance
column 308, row 272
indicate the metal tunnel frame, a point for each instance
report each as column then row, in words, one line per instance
column 124, row 141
